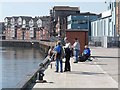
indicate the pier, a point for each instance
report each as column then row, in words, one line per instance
column 102, row 72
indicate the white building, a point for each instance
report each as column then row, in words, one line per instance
column 103, row 30
column 104, row 26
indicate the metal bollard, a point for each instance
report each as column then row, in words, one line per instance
column 40, row 75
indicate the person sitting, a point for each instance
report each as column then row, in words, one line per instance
column 86, row 54
column 51, row 53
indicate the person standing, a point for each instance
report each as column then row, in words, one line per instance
column 58, row 56
column 76, row 48
column 67, row 57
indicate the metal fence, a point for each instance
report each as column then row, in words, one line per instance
column 101, row 41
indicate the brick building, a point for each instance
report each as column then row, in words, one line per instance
column 62, row 12
column 117, row 16
column 26, row 28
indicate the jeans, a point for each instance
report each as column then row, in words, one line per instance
column 76, row 53
column 57, row 65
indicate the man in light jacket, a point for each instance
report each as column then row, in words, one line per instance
column 76, row 48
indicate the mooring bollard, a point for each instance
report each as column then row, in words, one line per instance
column 40, row 76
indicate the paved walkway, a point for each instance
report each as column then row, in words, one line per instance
column 107, row 59
column 82, row 75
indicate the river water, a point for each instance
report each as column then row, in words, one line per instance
column 16, row 63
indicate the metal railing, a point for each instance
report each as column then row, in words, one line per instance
column 100, row 41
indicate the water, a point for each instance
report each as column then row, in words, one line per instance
column 16, row 63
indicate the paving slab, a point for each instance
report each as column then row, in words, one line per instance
column 82, row 75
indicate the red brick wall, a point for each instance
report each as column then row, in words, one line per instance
column 8, row 34
column 19, row 34
column 27, row 35
column 81, row 35
column 38, row 35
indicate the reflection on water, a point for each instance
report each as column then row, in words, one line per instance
column 17, row 63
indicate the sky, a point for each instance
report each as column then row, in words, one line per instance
column 39, row 8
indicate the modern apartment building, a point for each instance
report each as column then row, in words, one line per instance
column 62, row 12
column 81, row 21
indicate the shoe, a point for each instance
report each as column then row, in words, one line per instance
column 89, row 60
column 69, row 70
column 65, row 70
column 56, row 71
column 75, row 62
column 61, row 71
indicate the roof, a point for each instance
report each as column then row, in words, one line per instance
column 85, row 13
column 8, row 18
column 15, row 17
column 27, row 18
column 66, row 8
column 78, row 30
column 43, row 17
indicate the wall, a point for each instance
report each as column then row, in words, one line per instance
column 81, row 35
column 102, row 27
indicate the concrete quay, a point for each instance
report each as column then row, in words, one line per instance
column 102, row 72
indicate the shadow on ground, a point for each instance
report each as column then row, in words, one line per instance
column 104, row 57
column 85, row 73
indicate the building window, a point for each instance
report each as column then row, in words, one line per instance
column 115, row 4
column 109, row 20
column 69, row 22
column 95, row 29
column 110, row 6
column 82, row 22
column 104, row 27
column 74, row 21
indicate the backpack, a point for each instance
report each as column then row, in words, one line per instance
column 60, row 54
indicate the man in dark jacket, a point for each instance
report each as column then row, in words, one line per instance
column 67, row 57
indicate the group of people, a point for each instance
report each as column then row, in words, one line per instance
column 59, row 52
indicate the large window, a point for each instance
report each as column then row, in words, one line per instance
column 39, row 23
column 19, row 21
column 6, row 21
column 82, row 22
column 31, row 23
column 12, row 21
column 79, row 22
column 74, row 21
column 104, row 28
column 95, row 29
column 69, row 22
